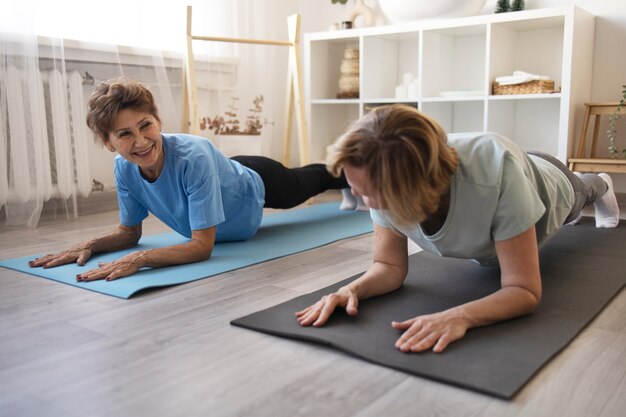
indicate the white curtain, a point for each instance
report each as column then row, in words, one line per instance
column 25, row 175
column 47, row 153
column 48, row 157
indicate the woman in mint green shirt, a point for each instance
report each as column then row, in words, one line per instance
column 480, row 198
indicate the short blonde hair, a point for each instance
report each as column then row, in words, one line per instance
column 409, row 165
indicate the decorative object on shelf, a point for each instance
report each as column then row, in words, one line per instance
column 520, row 77
column 406, row 10
column 346, row 24
column 337, row 25
column 523, row 83
column 229, row 124
column 349, row 69
column 530, row 87
column 409, row 87
column 612, row 131
column 503, row 6
column 518, row 5
column 361, row 9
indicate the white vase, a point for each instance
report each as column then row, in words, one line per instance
column 406, row 10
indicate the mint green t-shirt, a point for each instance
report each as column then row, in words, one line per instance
column 497, row 192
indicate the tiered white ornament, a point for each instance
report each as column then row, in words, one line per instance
column 349, row 78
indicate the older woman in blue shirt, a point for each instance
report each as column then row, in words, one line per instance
column 184, row 181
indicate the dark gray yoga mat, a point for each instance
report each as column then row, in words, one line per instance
column 582, row 267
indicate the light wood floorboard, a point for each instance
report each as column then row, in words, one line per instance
column 171, row 352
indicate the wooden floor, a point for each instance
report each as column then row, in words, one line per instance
column 171, row 352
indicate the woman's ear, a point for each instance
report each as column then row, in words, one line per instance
column 108, row 145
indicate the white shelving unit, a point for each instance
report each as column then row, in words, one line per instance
column 456, row 62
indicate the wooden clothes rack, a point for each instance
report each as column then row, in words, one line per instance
column 294, row 86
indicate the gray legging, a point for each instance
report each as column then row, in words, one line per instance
column 587, row 187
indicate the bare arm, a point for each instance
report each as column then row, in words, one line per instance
column 386, row 274
column 123, row 237
column 199, row 248
column 389, row 268
column 519, row 295
column 520, row 280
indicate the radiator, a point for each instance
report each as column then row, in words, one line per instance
column 43, row 136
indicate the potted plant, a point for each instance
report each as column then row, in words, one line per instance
column 612, row 131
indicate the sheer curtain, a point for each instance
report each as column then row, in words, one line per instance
column 46, row 150
column 230, row 76
column 47, row 154
column 26, row 174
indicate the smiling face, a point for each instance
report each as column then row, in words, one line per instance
column 136, row 136
column 359, row 182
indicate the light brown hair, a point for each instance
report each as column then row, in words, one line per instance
column 404, row 152
column 112, row 96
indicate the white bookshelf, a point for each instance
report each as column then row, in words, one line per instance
column 456, row 61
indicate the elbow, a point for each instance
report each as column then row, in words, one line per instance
column 532, row 301
column 524, row 300
column 202, row 243
column 205, row 254
column 400, row 278
column 132, row 233
column 533, row 304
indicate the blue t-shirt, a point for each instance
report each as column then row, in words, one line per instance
column 198, row 188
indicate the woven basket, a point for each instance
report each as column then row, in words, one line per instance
column 531, row 87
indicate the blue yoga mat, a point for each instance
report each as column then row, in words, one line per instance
column 281, row 234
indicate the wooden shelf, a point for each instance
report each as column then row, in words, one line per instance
column 617, row 166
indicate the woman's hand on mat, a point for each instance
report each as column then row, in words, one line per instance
column 120, row 268
column 434, row 331
column 319, row 313
column 79, row 254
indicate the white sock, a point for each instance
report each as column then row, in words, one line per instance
column 607, row 209
column 360, row 205
column 348, row 201
column 580, row 215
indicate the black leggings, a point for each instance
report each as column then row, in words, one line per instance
column 288, row 187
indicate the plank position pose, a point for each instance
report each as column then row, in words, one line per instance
column 184, row 181
column 479, row 198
